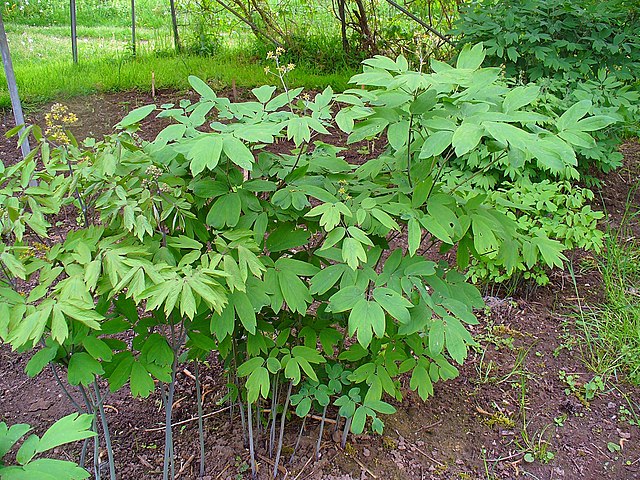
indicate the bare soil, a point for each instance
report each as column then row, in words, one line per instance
column 509, row 401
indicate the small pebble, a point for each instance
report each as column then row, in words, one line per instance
column 366, row 452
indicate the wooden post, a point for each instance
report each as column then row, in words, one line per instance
column 133, row 27
column 174, row 22
column 74, row 34
column 13, row 87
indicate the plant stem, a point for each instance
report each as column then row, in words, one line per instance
column 282, row 422
column 274, row 405
column 105, row 431
column 295, row 448
column 200, row 419
column 345, row 432
column 64, row 389
column 324, row 416
column 409, row 151
column 94, row 426
column 251, row 451
column 169, row 462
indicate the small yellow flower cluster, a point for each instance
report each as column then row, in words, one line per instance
column 275, row 55
column 280, row 69
column 57, row 120
column 153, row 171
column 343, row 190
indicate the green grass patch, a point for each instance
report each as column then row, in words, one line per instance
column 612, row 329
column 45, row 71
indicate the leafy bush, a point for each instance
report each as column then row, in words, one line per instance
column 69, row 429
column 565, row 39
column 282, row 259
column 532, row 182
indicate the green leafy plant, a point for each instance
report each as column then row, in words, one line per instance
column 27, row 466
column 567, row 39
column 283, row 261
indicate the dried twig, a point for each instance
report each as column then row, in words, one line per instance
column 192, row 419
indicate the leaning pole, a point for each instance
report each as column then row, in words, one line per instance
column 13, row 87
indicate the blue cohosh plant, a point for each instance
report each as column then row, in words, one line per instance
column 285, row 265
column 575, row 51
column 26, row 466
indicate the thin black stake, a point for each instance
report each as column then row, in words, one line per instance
column 16, row 106
column 74, row 33
column 133, row 27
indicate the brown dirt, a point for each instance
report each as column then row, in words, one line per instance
column 508, row 401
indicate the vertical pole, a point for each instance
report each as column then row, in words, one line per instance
column 74, row 34
column 13, row 86
column 174, row 21
column 133, row 27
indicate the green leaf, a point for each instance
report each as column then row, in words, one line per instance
column 83, row 369
column 201, row 87
column 258, row 384
column 68, row 429
column 381, row 407
column 353, row 252
column 264, row 93
column 136, row 116
column 365, row 317
column 97, row 348
column 597, row 122
column 88, row 317
column 466, row 137
column 304, row 407
column 286, row 237
column 345, row 299
column 358, row 421
column 471, row 57
column 225, row 211
column 519, row 97
column 10, row 436
column 250, row 366
column 40, row 360
column 141, row 382
column 395, row 304
column 421, row 382
column 570, row 118
column 205, row 153
column 238, row 152
column 436, row 143
column 436, row 337
column 326, row 278
column 244, row 310
column 414, row 236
